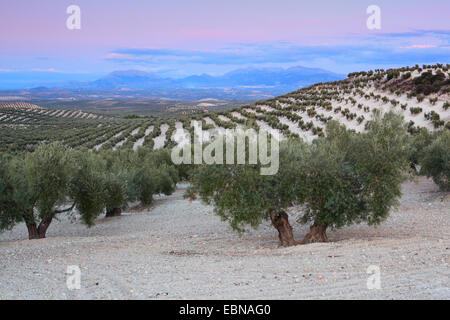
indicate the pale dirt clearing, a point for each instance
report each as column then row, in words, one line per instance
column 181, row 250
column 160, row 140
column 140, row 141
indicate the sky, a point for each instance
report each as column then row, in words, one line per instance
column 177, row 38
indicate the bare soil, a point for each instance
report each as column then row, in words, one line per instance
column 181, row 250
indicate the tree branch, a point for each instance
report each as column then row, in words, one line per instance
column 65, row 210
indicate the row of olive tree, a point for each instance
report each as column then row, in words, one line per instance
column 340, row 179
column 35, row 187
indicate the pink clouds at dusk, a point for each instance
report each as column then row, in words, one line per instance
column 179, row 37
column 421, row 46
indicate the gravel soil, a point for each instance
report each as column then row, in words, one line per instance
column 181, row 250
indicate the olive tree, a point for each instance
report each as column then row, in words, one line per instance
column 152, row 173
column 117, row 176
column 418, row 141
column 35, row 186
column 435, row 160
column 349, row 178
column 429, row 154
column 340, row 179
column 244, row 197
column 87, row 186
column 11, row 211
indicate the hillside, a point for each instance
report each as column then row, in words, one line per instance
column 164, row 246
column 421, row 94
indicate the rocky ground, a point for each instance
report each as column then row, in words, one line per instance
column 181, row 250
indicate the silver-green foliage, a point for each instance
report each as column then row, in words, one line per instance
column 435, row 160
column 340, row 179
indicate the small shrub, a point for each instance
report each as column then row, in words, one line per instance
column 415, row 110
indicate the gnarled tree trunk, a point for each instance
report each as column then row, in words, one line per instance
column 43, row 226
column 32, row 231
column 30, row 222
column 280, row 220
column 113, row 212
column 38, row 232
column 317, row 233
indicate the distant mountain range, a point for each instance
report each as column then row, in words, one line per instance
column 293, row 78
column 245, row 84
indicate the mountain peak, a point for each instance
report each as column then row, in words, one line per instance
column 132, row 73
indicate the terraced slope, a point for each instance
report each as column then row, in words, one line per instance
column 409, row 91
column 421, row 94
column 16, row 108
